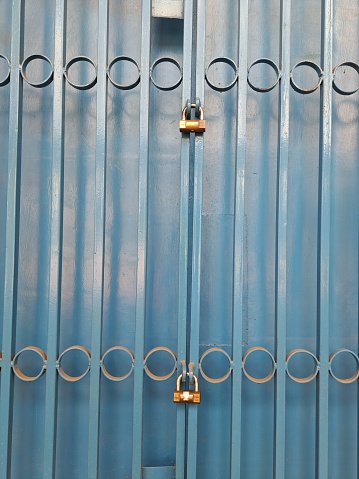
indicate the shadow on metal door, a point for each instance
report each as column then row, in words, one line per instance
column 132, row 254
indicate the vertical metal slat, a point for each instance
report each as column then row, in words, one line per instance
column 281, row 246
column 197, row 239
column 324, row 241
column 12, row 230
column 56, row 242
column 236, row 413
column 184, row 231
column 99, row 242
column 141, row 243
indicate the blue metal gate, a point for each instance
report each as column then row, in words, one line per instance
column 133, row 255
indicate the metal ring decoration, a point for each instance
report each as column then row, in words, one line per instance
column 222, row 378
column 252, row 378
column 154, row 376
column 111, row 376
column 265, row 61
column 25, row 64
column 163, row 60
column 346, row 380
column 85, row 86
column 17, row 370
column 229, row 62
column 66, row 376
column 353, row 65
column 6, row 80
column 123, row 58
column 312, row 65
column 309, row 378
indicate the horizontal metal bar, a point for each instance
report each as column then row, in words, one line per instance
column 164, row 472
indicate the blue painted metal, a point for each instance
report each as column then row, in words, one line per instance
column 184, row 239
column 238, row 247
column 195, row 309
column 55, row 276
column 281, row 253
column 99, row 242
column 137, row 433
column 12, row 239
column 134, row 253
column 159, row 472
column 324, row 243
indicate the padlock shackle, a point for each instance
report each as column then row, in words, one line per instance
column 179, row 382
column 194, row 379
column 193, row 105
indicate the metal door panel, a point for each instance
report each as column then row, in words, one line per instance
column 304, row 288
column 258, row 244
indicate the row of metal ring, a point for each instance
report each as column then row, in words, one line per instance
column 90, row 84
column 225, row 60
column 289, row 356
column 278, row 75
column 21, row 375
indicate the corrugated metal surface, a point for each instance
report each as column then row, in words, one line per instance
column 132, row 254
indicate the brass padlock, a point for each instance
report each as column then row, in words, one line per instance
column 192, row 396
column 192, row 126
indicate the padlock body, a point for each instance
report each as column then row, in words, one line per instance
column 193, row 397
column 192, row 126
column 196, row 397
column 177, row 396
